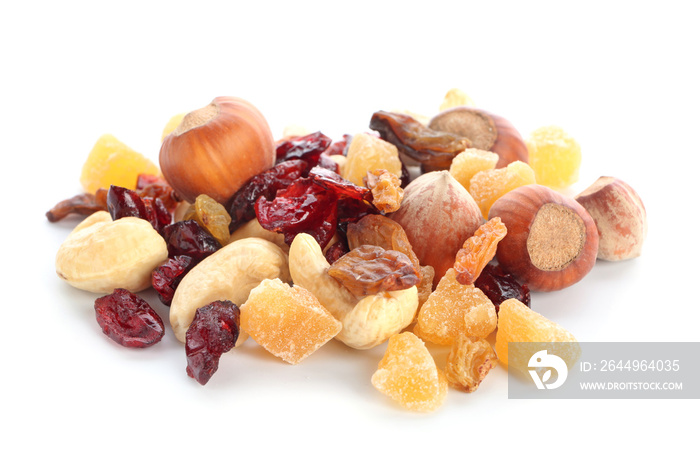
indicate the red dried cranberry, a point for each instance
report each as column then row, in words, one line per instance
column 307, row 148
column 190, row 239
column 128, row 319
column 339, row 147
column 499, row 285
column 303, row 207
column 123, row 202
column 324, row 161
column 336, row 251
column 156, row 213
column 167, row 277
column 241, row 206
column 155, row 186
column 342, row 187
column 213, row 331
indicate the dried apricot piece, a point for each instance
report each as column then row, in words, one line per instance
column 113, row 162
column 471, row 161
column 555, row 156
column 478, row 250
column 369, row 270
column 368, row 152
column 288, row 321
column 468, row 362
column 407, row 373
column 453, row 309
column 488, row 186
column 518, row 323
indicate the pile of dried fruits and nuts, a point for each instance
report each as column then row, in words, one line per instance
column 423, row 230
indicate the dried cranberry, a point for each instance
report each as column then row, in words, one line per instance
column 123, row 202
column 324, row 161
column 128, row 319
column 350, row 210
column 155, row 186
column 167, row 277
column 307, row 148
column 241, row 206
column 156, row 213
column 303, row 207
column 339, row 147
column 213, row 331
column 190, row 239
column 342, row 187
column 336, row 251
column 499, row 285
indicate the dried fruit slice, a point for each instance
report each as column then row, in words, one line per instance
column 407, row 373
column 469, row 361
column 518, row 323
column 555, row 156
column 453, row 309
column 488, row 186
column 113, row 162
column 289, row 322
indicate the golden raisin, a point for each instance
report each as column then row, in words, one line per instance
column 386, row 190
column 468, row 362
column 381, row 231
column 369, row 270
column 478, row 250
column 407, row 373
column 211, row 215
column 454, row 309
column 488, row 186
column 289, row 322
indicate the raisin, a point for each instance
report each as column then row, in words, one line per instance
column 303, row 207
column 386, row 190
column 123, row 202
column 307, row 148
column 499, row 285
column 478, row 250
column 83, row 204
column 378, row 230
column 369, row 270
column 433, row 149
column 241, row 206
column 156, row 187
column 190, row 239
column 128, row 319
column 213, row 331
column 166, row 277
column 468, row 362
column 211, row 215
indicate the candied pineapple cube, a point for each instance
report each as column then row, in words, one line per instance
column 366, row 153
column 519, row 324
column 471, row 161
column 172, row 124
column 489, row 185
column 456, row 97
column 113, row 162
column 288, row 321
column 454, row 308
column 407, row 373
column 554, row 156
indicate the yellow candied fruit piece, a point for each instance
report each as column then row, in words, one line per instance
column 288, row 321
column 113, row 162
column 555, row 157
column 172, row 125
column 456, row 97
column 489, row 185
column 368, row 152
column 468, row 362
column 407, row 373
column 471, row 161
column 519, row 324
column 453, row 309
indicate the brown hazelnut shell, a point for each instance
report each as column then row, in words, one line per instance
column 485, row 130
column 552, row 241
column 216, row 149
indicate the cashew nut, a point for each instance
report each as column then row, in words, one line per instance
column 228, row 274
column 367, row 322
column 253, row 229
column 100, row 255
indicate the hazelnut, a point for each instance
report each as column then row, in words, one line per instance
column 620, row 216
column 485, row 130
column 552, row 241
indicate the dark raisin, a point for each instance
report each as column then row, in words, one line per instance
column 82, row 204
column 167, row 277
column 190, row 239
column 499, row 285
column 213, row 331
column 128, row 319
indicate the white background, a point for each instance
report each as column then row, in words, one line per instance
column 621, row 77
